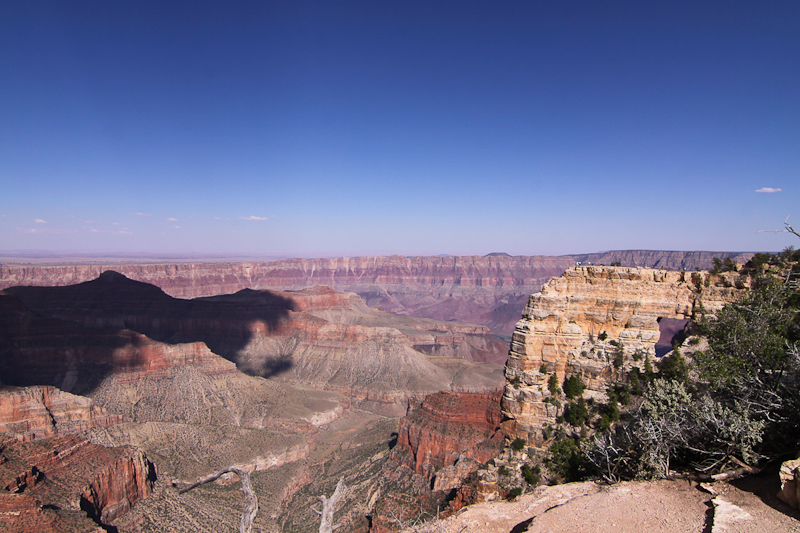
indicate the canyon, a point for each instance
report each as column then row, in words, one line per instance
column 304, row 385
column 484, row 290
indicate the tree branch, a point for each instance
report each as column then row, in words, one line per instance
column 250, row 507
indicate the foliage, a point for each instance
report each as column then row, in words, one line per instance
column 576, row 413
column 552, row 384
column 543, row 369
column 566, row 460
column 518, row 444
column 514, row 493
column 748, row 340
column 636, row 384
column 574, row 387
column 531, row 475
column 674, row 367
column 619, row 392
column 603, row 336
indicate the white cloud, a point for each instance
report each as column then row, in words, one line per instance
column 116, row 224
column 142, row 214
column 254, row 218
column 768, row 189
column 172, row 219
column 39, row 221
column 94, row 230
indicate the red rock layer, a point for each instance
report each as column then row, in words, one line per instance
column 35, row 412
column 68, row 484
column 447, row 430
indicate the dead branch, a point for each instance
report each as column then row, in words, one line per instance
column 329, row 506
column 250, row 507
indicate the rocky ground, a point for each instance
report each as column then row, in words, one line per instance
column 673, row 506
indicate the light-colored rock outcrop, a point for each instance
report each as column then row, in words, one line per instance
column 790, row 482
column 35, row 412
column 582, row 321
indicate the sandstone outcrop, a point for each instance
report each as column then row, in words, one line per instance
column 488, row 290
column 582, row 321
column 36, row 412
column 67, row 484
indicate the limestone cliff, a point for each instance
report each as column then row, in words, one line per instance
column 580, row 322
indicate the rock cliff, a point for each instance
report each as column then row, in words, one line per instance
column 35, row 412
column 488, row 290
column 67, row 484
column 448, row 435
column 582, row 321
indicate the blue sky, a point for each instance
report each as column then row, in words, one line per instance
column 418, row 128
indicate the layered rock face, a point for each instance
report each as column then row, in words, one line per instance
column 582, row 321
column 68, row 484
column 36, row 412
column 449, row 435
column 315, row 336
column 488, row 290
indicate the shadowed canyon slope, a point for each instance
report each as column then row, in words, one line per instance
column 487, row 290
column 74, row 336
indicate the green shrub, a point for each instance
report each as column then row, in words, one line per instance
column 543, row 369
column 531, row 475
column 674, row 367
column 566, row 460
column 603, row 336
column 576, row 413
column 514, row 493
column 518, row 444
column 574, row 387
column 552, row 384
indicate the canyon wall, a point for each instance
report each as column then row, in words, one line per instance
column 37, row 412
column 68, row 484
column 448, row 435
column 487, row 290
column 76, row 336
column 591, row 317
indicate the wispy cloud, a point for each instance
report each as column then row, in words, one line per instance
column 768, row 189
column 254, row 218
column 39, row 221
column 142, row 214
column 172, row 219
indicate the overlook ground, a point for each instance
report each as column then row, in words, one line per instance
column 669, row 506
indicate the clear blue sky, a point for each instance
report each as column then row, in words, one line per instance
column 355, row 128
